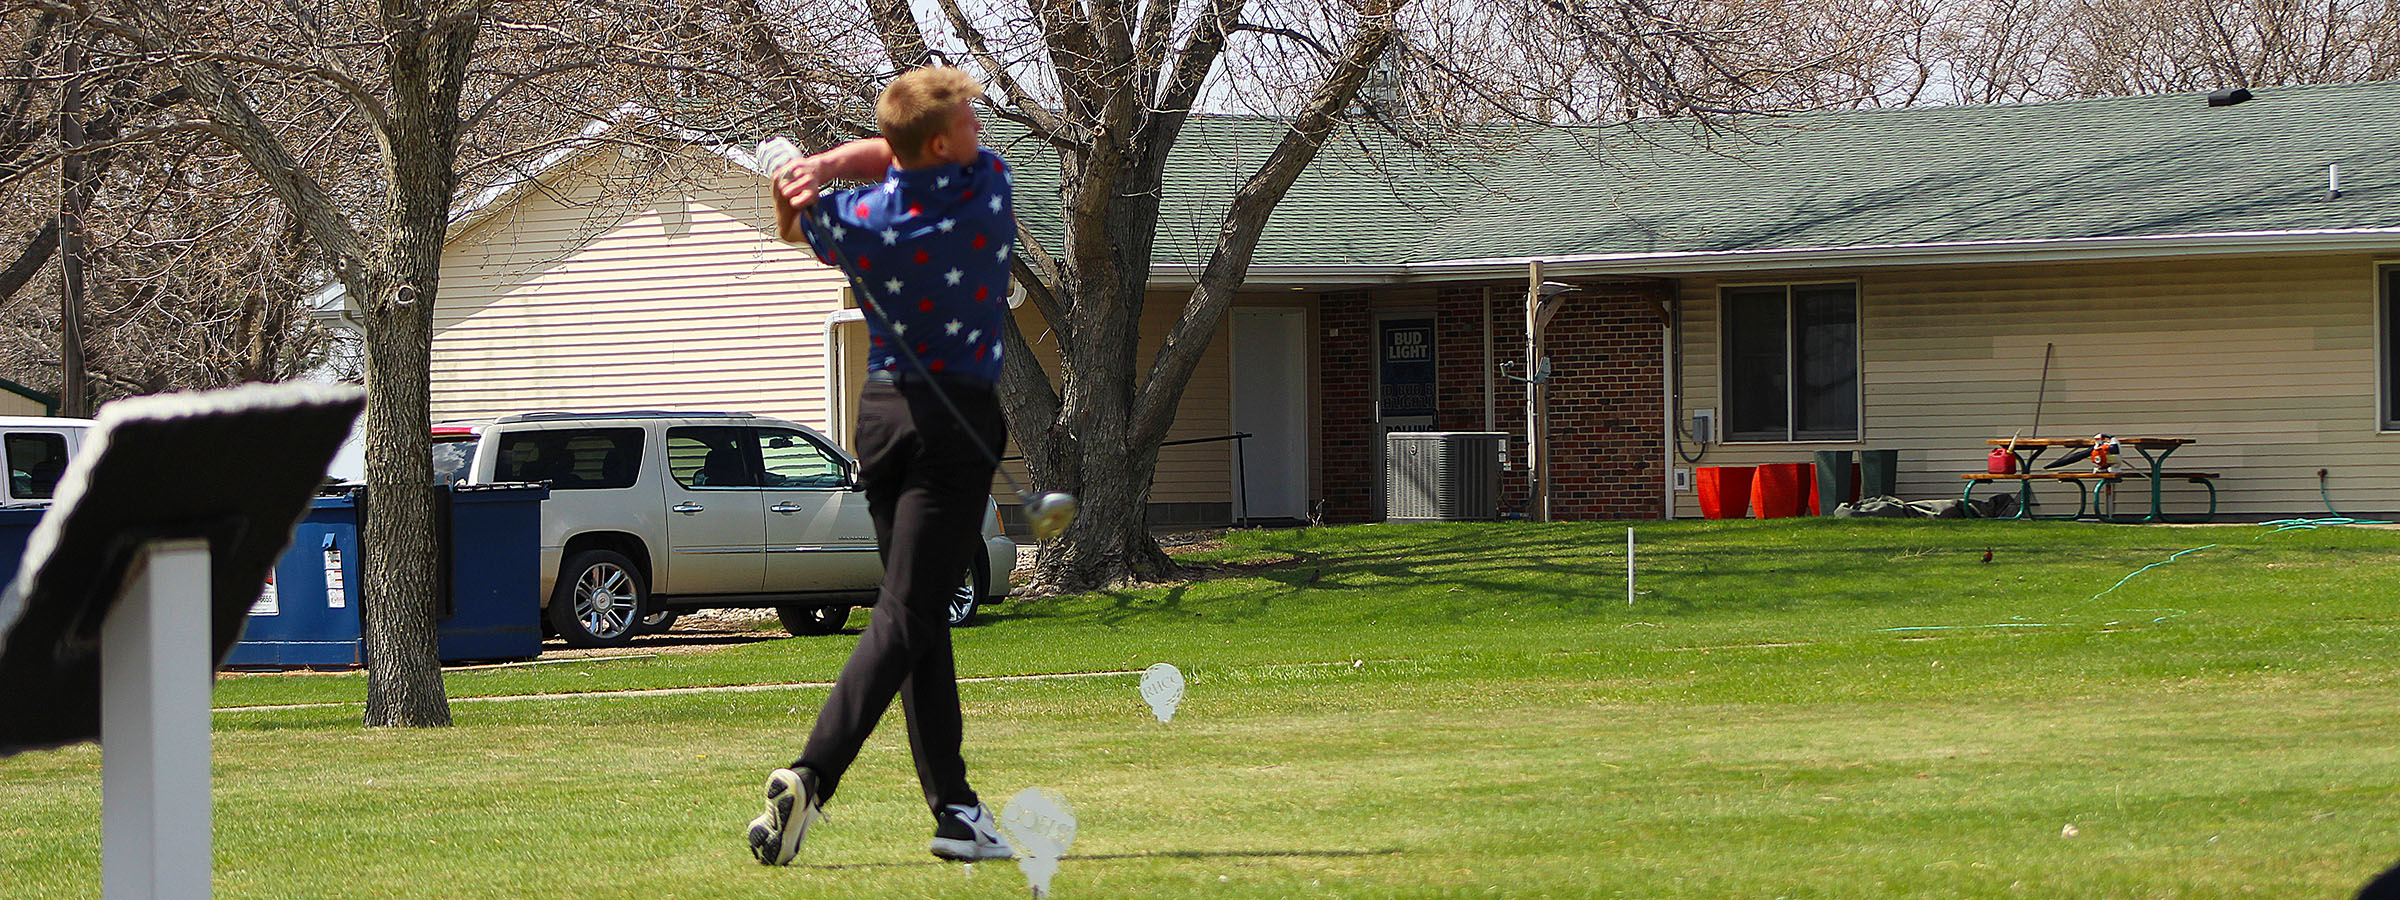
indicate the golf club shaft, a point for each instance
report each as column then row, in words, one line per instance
column 874, row 308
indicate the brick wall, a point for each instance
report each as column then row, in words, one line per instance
column 1606, row 408
column 1458, row 313
column 1605, row 405
column 1346, row 411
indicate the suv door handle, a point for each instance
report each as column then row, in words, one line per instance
column 785, row 507
column 687, row 507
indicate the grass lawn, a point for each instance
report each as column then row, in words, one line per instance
column 1789, row 709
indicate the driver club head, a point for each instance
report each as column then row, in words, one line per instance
column 1051, row 514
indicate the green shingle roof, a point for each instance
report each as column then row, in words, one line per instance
column 2128, row 167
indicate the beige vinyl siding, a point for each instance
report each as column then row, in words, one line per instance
column 578, row 298
column 16, row 404
column 1192, row 473
column 2270, row 364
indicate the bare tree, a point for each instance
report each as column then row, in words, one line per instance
column 2155, row 46
column 361, row 120
column 1107, row 86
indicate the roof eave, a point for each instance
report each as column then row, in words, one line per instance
column 2083, row 249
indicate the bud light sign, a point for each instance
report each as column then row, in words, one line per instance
column 1407, row 367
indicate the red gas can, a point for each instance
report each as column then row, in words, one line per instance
column 2001, row 462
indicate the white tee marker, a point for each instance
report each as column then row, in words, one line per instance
column 1042, row 826
column 1162, row 685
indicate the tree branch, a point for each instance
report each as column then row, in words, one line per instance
column 903, row 38
column 29, row 261
column 1246, row 219
column 1026, row 110
column 1199, row 55
column 156, row 30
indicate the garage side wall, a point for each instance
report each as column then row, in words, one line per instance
column 2269, row 363
column 609, row 291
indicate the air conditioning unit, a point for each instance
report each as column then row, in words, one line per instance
column 1443, row 476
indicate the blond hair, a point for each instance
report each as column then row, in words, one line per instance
column 917, row 106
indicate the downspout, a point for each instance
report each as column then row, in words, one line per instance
column 834, row 370
column 1666, row 377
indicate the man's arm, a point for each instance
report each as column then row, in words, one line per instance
column 796, row 185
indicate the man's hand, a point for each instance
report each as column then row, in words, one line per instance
column 799, row 181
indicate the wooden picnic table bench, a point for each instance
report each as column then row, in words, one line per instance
column 2153, row 450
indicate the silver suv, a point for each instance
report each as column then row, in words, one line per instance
column 653, row 513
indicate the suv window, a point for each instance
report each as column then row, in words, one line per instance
column 35, row 460
column 572, row 459
column 792, row 460
column 712, row 456
column 451, row 459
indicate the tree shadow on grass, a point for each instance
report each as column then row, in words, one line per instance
column 1161, row 854
column 1579, row 570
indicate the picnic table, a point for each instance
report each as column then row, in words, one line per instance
column 2153, row 451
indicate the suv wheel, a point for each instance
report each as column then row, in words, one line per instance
column 968, row 595
column 598, row 601
column 660, row 622
column 813, row 620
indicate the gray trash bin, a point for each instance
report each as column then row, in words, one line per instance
column 1878, row 473
column 1833, row 480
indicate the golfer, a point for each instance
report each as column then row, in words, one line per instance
column 927, row 242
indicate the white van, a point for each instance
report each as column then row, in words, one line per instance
column 36, row 449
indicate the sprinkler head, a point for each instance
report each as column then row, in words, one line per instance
column 1051, row 514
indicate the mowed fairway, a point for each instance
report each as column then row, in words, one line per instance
column 1789, row 709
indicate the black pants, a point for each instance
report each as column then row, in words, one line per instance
column 926, row 486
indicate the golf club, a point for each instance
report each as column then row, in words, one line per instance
column 1048, row 514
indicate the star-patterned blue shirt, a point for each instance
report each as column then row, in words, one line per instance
column 930, row 248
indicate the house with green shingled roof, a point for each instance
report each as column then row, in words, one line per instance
column 1912, row 280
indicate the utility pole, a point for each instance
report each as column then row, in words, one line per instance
column 75, row 383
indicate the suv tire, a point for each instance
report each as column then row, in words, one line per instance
column 660, row 621
column 599, row 600
column 807, row 621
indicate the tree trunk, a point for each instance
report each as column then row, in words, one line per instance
column 405, row 683
column 396, row 606
column 1105, row 440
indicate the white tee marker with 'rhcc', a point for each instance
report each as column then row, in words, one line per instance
column 1042, row 826
column 1162, row 685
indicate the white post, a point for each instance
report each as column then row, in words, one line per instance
column 154, row 720
column 1537, row 471
column 1629, row 566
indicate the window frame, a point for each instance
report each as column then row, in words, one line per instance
column 745, row 443
column 639, row 445
column 1791, row 401
column 843, row 464
column 2386, row 290
column 7, row 457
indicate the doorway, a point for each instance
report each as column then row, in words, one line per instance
column 1270, row 403
column 1405, row 385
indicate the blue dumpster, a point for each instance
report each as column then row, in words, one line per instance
column 488, row 550
column 16, row 525
column 488, row 541
column 491, row 599
column 308, row 615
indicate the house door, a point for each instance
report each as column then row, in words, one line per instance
column 1404, row 386
column 1270, row 402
